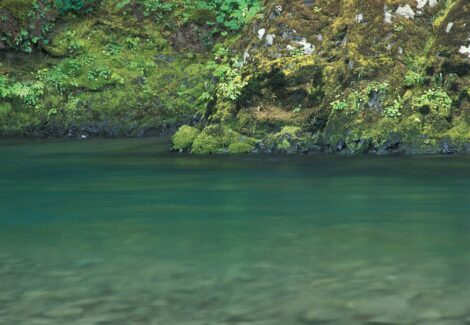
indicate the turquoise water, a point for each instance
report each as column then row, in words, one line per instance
column 123, row 232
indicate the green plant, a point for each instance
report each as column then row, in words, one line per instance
column 339, row 105
column 398, row 28
column 27, row 92
column 393, row 111
column 72, row 5
column 227, row 72
column 56, row 78
column 356, row 100
column 379, row 88
column 230, row 14
column 433, row 100
column 413, row 79
column 132, row 43
column 99, row 73
column 157, row 8
column 297, row 52
column 112, row 49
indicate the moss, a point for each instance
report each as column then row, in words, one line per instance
column 184, row 137
column 19, row 8
column 5, row 109
column 221, row 139
column 239, row 147
column 213, row 139
column 288, row 139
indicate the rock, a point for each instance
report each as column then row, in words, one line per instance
column 465, row 50
column 449, row 27
column 359, row 18
column 405, row 11
column 387, row 15
column 261, row 33
column 422, row 3
column 270, row 39
column 307, row 47
column 447, row 148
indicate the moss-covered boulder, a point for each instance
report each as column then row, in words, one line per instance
column 221, row 139
column 183, row 139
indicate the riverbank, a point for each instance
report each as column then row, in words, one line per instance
column 331, row 77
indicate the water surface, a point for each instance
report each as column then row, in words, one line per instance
column 123, row 232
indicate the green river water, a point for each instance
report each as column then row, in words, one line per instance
column 124, row 232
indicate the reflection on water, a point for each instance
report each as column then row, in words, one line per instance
column 122, row 232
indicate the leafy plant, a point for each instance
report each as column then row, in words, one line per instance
column 27, row 92
column 230, row 14
column 433, row 100
column 393, row 111
column 339, row 105
column 228, row 82
column 356, row 100
column 72, row 5
column 297, row 52
column 413, row 79
column 99, row 73
column 157, row 8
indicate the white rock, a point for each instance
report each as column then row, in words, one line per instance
column 278, row 9
column 387, row 16
column 405, row 11
column 270, row 39
column 359, row 18
column 449, row 27
column 246, row 56
column 308, row 47
column 261, row 32
column 465, row 50
column 423, row 3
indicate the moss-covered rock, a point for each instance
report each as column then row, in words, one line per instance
column 183, row 139
column 221, row 139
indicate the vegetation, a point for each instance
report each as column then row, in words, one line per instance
column 247, row 75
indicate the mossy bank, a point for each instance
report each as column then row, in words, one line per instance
column 351, row 77
column 342, row 76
